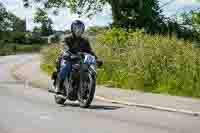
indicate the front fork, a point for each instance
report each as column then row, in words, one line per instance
column 83, row 78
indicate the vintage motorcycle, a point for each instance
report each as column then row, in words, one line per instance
column 80, row 84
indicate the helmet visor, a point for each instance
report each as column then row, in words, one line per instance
column 77, row 29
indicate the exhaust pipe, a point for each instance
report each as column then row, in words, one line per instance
column 53, row 92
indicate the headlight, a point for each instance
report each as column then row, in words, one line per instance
column 89, row 59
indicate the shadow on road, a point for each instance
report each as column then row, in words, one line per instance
column 94, row 107
column 104, row 107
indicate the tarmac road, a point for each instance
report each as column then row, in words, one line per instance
column 33, row 110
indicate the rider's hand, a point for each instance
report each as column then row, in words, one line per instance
column 99, row 62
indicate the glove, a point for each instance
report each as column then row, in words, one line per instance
column 99, row 63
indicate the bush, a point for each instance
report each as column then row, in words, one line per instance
column 13, row 37
column 35, row 40
column 21, row 38
column 18, row 37
column 134, row 60
column 97, row 29
column 48, row 57
column 12, row 48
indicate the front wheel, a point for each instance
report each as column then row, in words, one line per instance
column 59, row 100
column 87, row 91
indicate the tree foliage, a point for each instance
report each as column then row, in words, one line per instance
column 10, row 22
column 42, row 18
column 135, row 13
column 196, row 19
column 4, row 21
column 192, row 20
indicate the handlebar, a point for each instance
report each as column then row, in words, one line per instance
column 70, row 56
column 79, row 55
column 99, row 63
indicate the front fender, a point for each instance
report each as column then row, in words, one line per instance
column 92, row 70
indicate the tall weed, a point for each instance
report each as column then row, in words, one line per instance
column 134, row 60
column 159, row 64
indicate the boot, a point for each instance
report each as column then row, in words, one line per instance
column 54, row 79
column 58, row 86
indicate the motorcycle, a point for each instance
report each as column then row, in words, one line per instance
column 80, row 84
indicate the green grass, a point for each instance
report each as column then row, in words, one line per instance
column 48, row 56
column 133, row 60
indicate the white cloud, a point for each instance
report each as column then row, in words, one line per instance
column 187, row 2
column 178, row 6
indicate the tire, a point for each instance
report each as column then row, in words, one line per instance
column 59, row 100
column 87, row 103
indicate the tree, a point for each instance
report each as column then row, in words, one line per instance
column 46, row 23
column 4, row 21
column 125, row 13
column 37, row 29
column 196, row 24
column 137, row 13
column 196, row 20
column 16, row 23
column 191, row 20
column 9, row 21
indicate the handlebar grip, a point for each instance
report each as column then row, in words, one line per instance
column 99, row 63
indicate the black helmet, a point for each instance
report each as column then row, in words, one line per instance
column 77, row 28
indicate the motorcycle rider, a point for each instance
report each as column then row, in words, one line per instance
column 74, row 43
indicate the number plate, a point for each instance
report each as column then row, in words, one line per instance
column 89, row 59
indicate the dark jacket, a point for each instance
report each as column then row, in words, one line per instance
column 76, row 45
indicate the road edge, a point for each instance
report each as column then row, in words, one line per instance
column 101, row 98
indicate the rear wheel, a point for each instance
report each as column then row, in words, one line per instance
column 86, row 91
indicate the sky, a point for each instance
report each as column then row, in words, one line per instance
column 64, row 19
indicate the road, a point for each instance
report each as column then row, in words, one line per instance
column 32, row 110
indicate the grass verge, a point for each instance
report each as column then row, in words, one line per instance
column 133, row 60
